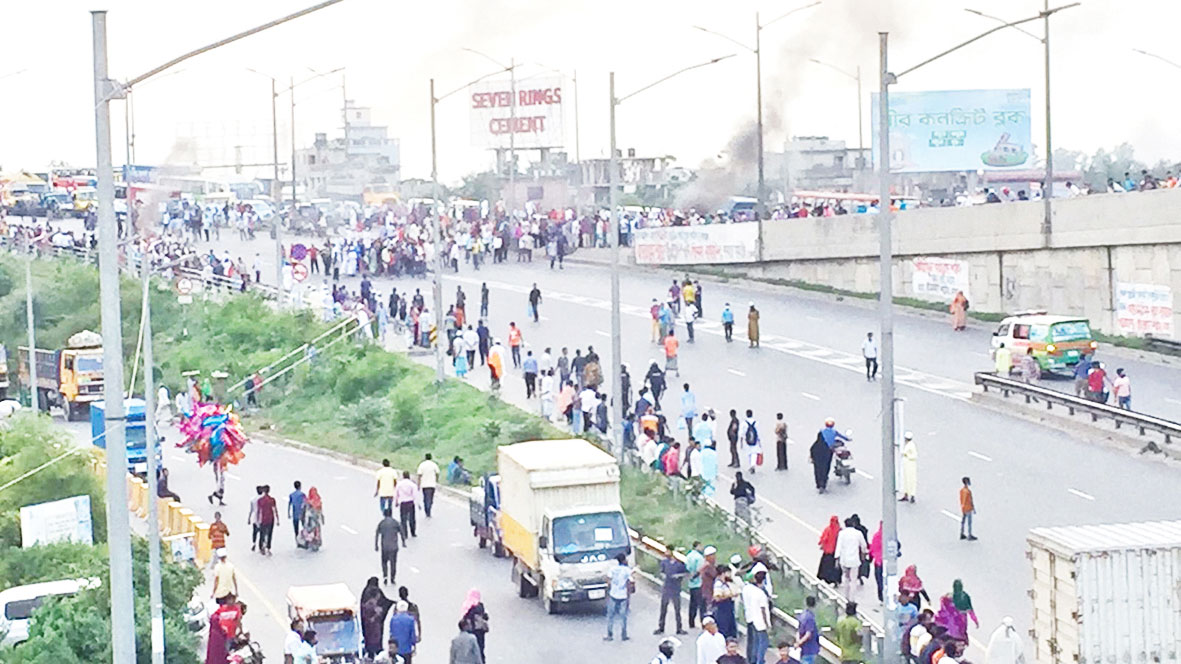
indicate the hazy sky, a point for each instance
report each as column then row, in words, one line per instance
column 1104, row 93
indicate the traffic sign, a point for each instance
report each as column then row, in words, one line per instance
column 184, row 286
column 299, row 271
column 298, row 252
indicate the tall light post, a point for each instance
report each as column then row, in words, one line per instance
column 856, row 76
column 757, row 50
column 613, row 234
column 1048, row 180
column 1158, row 57
column 891, row 651
column 436, row 226
column 34, row 402
column 118, row 518
column 511, row 68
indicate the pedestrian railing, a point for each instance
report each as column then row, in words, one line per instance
column 789, row 576
column 1120, row 416
column 1163, row 345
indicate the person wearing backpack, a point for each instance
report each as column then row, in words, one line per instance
column 750, row 435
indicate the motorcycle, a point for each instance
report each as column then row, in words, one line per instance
column 242, row 650
column 842, row 458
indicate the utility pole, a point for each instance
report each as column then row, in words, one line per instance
column 512, row 139
column 118, row 518
column 344, row 98
column 155, row 601
column 760, row 205
column 436, row 229
column 1048, row 187
column 34, row 402
column 277, row 191
column 616, row 324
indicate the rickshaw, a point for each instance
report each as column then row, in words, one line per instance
column 330, row 610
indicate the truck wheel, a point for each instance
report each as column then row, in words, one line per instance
column 497, row 550
column 551, row 607
column 524, row 589
column 69, row 411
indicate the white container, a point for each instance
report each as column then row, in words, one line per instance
column 546, row 475
column 1107, row 594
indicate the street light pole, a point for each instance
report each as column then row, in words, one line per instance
column 155, row 601
column 34, row 402
column 1048, row 187
column 118, row 518
column 512, row 139
column 760, row 205
column 436, row 230
column 616, row 315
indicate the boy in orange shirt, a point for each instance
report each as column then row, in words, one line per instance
column 967, row 509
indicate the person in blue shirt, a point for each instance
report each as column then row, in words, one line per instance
column 688, row 409
column 530, row 368
column 1081, row 371
column 295, row 504
column 830, row 434
column 404, row 630
column 808, row 636
column 728, row 322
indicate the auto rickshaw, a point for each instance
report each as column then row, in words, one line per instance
column 330, row 610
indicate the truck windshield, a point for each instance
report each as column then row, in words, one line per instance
column 1075, row 330
column 589, row 537
column 89, row 364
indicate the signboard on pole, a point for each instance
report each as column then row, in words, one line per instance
column 538, row 113
column 1142, row 309
column 298, row 252
column 938, row 279
column 65, row 520
column 689, row 245
column 299, row 271
column 956, row 130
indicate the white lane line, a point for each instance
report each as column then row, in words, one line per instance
column 233, row 477
column 864, row 474
column 340, row 478
column 1080, row 494
column 601, row 333
column 543, row 317
column 736, row 372
column 980, row 456
column 415, row 569
column 809, row 395
column 1172, row 400
column 953, row 517
column 347, row 529
column 813, row 318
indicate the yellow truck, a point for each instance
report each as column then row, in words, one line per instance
column 560, row 519
column 71, row 377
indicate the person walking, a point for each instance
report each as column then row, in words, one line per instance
column 688, row 317
column 225, row 578
column 756, row 606
column 535, row 302
column 673, row 572
column 656, row 380
column 728, row 323
column 530, row 368
column 464, row 648
column 311, row 533
column 484, row 342
column 780, row 442
column 268, row 518
column 955, row 609
column 296, row 501
column 621, row 584
column 218, row 532
column 670, row 353
column 475, row 617
column 404, row 630
column 710, row 644
column 726, row 589
column 428, row 481
column 808, row 633
column 959, row 311
column 688, row 410
column 406, row 495
column 732, row 430
column 563, row 365
column 484, row 300
column 851, row 550
column 514, row 342
column 828, row 570
column 869, row 350
column 252, row 518
column 821, row 455
column 1122, row 387
column 471, row 343
column 848, row 636
column 1081, row 371
column 385, row 541
column 374, row 606
column 910, row 468
column 694, row 562
column 754, row 444
column 744, row 496
column 752, row 326
column 1005, row 646
column 387, row 480
column 967, row 510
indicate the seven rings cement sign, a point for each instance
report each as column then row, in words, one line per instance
column 538, row 122
column 688, row 245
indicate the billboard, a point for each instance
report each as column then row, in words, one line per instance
column 538, row 113
column 938, row 279
column 705, row 244
column 956, row 130
column 66, row 520
column 1142, row 309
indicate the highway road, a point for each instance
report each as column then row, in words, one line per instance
column 439, row 566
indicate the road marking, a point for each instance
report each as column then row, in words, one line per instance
column 980, row 456
column 347, row 529
column 808, row 395
column 736, row 372
column 340, row 477
column 1171, row 400
column 233, row 477
column 775, row 506
column 543, row 317
column 864, row 474
column 1080, row 494
column 953, row 517
column 414, row 569
column 814, row 318
column 266, row 603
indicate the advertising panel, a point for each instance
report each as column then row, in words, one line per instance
column 1142, row 309
column 956, row 130
column 938, row 279
column 692, row 245
column 65, row 520
column 538, row 114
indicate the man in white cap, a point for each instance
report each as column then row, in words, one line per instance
column 1004, row 646
column 711, row 644
column 225, row 579
column 910, row 468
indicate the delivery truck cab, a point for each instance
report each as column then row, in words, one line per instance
column 135, row 434
column 560, row 519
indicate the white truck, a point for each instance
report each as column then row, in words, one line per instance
column 1106, row 593
column 560, row 519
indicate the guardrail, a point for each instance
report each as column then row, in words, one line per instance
column 1143, row 423
column 1160, row 345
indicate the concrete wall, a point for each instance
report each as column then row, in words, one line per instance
column 1097, row 242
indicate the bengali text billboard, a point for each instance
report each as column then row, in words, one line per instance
column 1142, row 309
column 536, row 122
column 688, row 245
column 956, row 130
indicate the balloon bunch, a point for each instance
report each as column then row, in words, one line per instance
column 214, row 433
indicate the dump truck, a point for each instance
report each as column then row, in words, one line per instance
column 1106, row 593
column 71, row 377
column 134, row 431
column 560, row 519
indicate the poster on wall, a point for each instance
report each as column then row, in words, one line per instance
column 694, row 245
column 535, row 122
column 938, row 279
column 956, row 130
column 65, row 520
column 1142, row 309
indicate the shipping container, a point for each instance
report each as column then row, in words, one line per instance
column 1107, row 594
